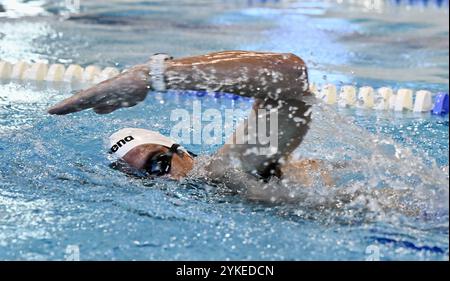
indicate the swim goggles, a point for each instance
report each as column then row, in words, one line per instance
column 161, row 163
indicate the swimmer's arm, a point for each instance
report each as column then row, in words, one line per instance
column 249, row 74
column 125, row 90
column 277, row 82
column 286, row 125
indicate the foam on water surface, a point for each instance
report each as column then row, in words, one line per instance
column 57, row 190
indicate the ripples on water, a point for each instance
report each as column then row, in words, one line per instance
column 56, row 188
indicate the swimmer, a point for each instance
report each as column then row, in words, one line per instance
column 275, row 81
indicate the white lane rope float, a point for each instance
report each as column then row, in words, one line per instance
column 384, row 98
column 366, row 97
column 41, row 71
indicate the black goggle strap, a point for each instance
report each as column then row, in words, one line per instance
column 175, row 148
column 193, row 155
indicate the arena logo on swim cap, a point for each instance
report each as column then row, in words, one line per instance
column 120, row 143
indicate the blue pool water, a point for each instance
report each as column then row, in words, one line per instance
column 57, row 191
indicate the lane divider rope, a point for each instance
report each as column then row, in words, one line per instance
column 366, row 97
column 384, row 98
column 41, row 71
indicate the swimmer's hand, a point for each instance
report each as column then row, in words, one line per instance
column 125, row 90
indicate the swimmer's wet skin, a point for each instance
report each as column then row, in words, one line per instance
column 275, row 81
column 250, row 74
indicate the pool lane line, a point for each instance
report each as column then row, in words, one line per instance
column 41, row 71
column 366, row 97
column 384, row 98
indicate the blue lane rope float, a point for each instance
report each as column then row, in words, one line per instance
column 441, row 104
column 439, row 3
column 366, row 97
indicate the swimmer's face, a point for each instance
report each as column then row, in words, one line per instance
column 138, row 157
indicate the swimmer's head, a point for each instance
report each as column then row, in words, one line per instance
column 150, row 151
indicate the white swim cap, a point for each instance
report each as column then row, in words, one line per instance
column 124, row 140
